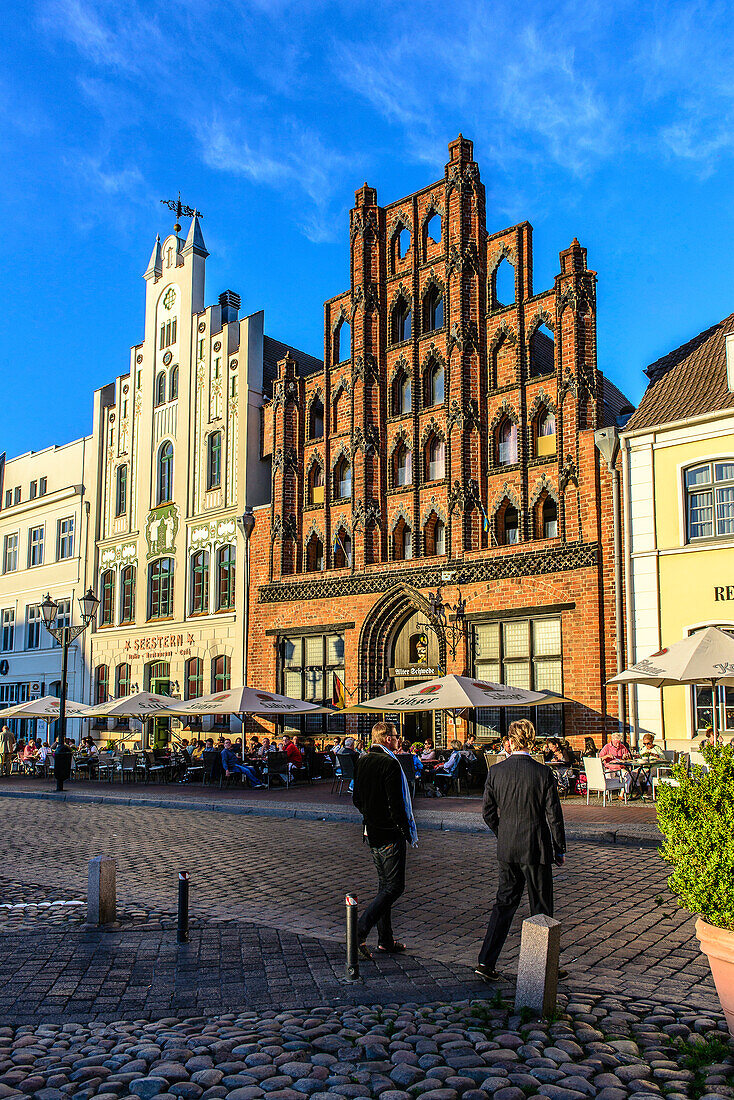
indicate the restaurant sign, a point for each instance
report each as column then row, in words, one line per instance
column 418, row 672
column 159, row 645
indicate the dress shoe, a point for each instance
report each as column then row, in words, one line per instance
column 486, row 974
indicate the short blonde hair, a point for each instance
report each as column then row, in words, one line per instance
column 382, row 730
column 521, row 735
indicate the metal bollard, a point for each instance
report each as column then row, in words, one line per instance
column 182, row 929
column 352, row 940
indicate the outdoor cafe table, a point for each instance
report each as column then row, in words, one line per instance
column 640, row 768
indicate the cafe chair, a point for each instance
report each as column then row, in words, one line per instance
column 600, row 783
column 277, row 768
column 344, row 772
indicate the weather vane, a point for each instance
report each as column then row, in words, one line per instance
column 181, row 209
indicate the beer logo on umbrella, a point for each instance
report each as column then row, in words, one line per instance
column 264, row 698
column 430, row 690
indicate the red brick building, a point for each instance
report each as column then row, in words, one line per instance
column 449, row 440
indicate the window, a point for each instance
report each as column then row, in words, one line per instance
column 440, row 537
column 10, row 553
column 335, row 411
column 507, row 443
column 35, row 546
column 225, row 577
column 16, row 495
column 402, row 541
column 160, row 589
column 703, row 714
column 101, row 684
column 434, row 388
column 545, row 442
column 342, row 549
column 400, row 326
column 121, row 491
column 8, row 498
column 107, row 603
column 173, row 383
column 160, row 389
column 401, row 395
column 315, row 484
column 542, row 352
column 7, row 629
column 434, row 536
column 65, row 538
column 710, row 500
column 314, row 555
column 523, row 653
column 33, row 626
column 550, row 518
column 200, row 582
column 343, row 342
column 214, row 461
column 342, row 479
column 403, row 243
column 127, row 594
column 402, row 466
column 165, row 473
column 167, row 333
column 42, row 486
column 316, row 419
column 221, row 673
column 122, row 681
column 435, row 459
column 508, row 526
column 431, row 233
column 194, row 678
column 34, row 490
column 433, row 310
column 308, row 666
column 503, row 284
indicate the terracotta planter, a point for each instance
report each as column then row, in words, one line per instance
column 718, row 945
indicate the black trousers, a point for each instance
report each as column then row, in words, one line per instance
column 514, row 877
column 390, row 863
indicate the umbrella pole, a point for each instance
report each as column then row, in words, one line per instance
column 715, row 708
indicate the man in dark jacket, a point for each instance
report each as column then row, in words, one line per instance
column 382, row 796
column 522, row 808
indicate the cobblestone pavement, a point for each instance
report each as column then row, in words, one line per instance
column 621, row 928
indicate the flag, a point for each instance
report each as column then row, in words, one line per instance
column 338, row 694
column 485, row 519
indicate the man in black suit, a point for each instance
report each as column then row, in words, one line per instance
column 522, row 808
column 382, row 796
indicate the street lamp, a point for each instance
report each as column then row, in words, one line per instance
column 453, row 627
column 65, row 635
column 246, row 524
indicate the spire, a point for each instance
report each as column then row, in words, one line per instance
column 155, row 264
column 195, row 239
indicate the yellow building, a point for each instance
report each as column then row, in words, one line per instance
column 678, row 451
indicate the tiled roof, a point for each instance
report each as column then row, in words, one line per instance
column 687, row 382
column 615, row 405
column 274, row 351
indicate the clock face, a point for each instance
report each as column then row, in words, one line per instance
column 169, row 298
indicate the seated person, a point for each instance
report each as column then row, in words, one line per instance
column 91, row 747
column 559, row 756
column 429, row 753
column 415, row 751
column 233, row 765
column 590, row 747
column 30, row 751
column 255, row 746
column 648, row 746
column 294, row 754
column 611, row 754
column 708, row 738
column 264, row 749
column 42, row 754
column 447, row 772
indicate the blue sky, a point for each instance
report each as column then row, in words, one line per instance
column 612, row 123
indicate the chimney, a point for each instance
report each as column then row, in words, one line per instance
column 729, row 343
column 230, row 303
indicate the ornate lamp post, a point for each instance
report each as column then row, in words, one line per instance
column 246, row 524
column 65, row 635
column 452, row 626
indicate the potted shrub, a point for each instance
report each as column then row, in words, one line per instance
column 696, row 818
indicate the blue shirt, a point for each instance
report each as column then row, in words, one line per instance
column 230, row 760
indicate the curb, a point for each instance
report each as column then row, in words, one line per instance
column 450, row 822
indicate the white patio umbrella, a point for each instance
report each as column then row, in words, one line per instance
column 47, row 707
column 143, row 704
column 706, row 657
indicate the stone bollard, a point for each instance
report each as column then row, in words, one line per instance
column 102, row 891
column 537, row 970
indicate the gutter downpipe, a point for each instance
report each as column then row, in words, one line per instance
column 607, row 443
column 628, row 594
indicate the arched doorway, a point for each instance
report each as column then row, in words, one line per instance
column 159, row 683
column 414, row 656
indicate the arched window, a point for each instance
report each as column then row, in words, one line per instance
column 160, row 589
column 127, row 594
column 121, row 491
column 221, row 673
column 400, row 322
column 403, row 243
column 434, row 536
column 545, row 440
column 435, row 458
column 173, row 383
column 343, row 341
column 122, row 681
column 508, row 526
column 165, row 473
column 225, row 577
column 194, row 678
column 107, row 607
column 160, row 389
column 433, row 310
column 101, row 684
column 200, row 582
column 434, row 384
column 507, row 443
column 335, row 406
column 342, row 479
column 401, row 394
column 342, row 549
column 439, row 537
column 316, row 419
column 550, row 518
column 503, row 284
column 402, row 466
column 316, row 484
column 431, row 233
column 214, row 461
column 314, row 554
column 402, row 541
column 542, row 352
